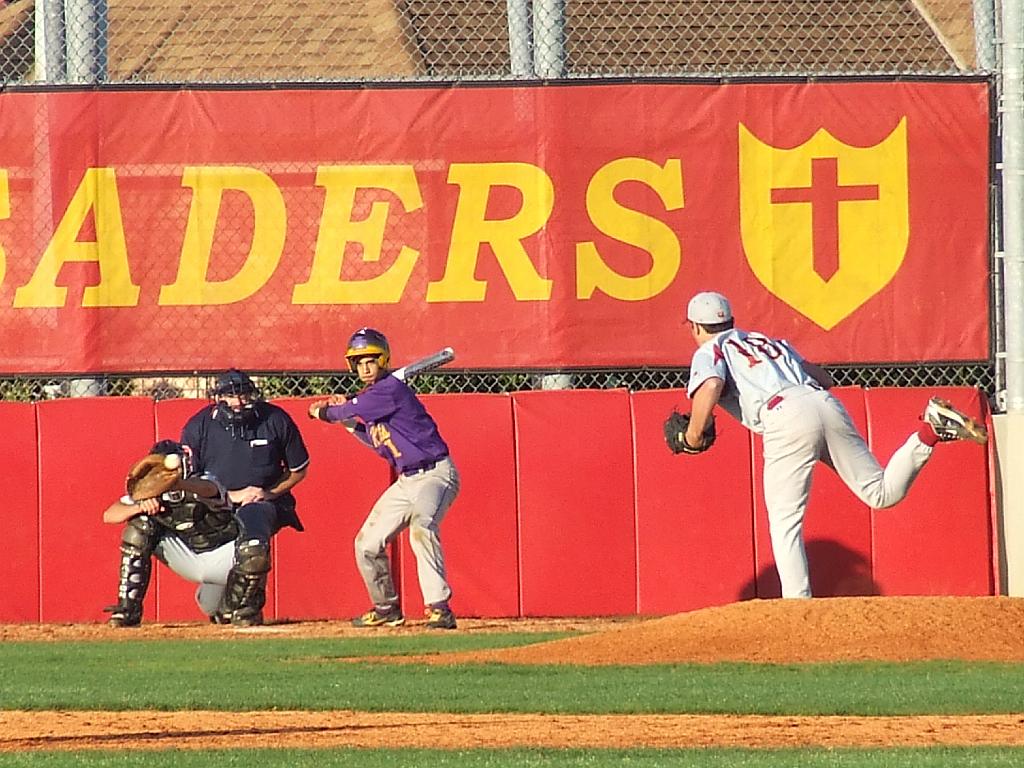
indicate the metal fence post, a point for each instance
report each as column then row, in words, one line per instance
column 86, row 35
column 520, row 38
column 984, row 12
column 1010, row 426
column 49, row 43
column 549, row 38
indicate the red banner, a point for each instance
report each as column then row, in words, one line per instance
column 549, row 226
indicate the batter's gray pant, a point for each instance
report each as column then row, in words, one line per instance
column 808, row 426
column 417, row 502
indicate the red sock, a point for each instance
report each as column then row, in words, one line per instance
column 927, row 434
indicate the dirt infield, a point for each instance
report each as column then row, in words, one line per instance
column 773, row 631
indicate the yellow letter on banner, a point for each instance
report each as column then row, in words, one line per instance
column 632, row 227
column 471, row 229
column 337, row 229
column 5, row 213
column 97, row 192
column 269, row 224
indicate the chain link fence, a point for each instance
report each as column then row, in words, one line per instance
column 277, row 384
column 158, row 42
column 161, row 41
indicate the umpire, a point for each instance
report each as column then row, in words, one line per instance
column 256, row 450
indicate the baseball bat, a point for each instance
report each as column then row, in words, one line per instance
column 428, row 363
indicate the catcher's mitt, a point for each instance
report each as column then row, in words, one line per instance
column 675, row 434
column 150, row 477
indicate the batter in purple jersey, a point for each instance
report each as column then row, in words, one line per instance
column 389, row 418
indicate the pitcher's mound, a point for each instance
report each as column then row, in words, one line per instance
column 788, row 631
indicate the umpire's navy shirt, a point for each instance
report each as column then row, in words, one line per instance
column 259, row 454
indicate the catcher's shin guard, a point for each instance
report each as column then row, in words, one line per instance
column 246, row 590
column 138, row 540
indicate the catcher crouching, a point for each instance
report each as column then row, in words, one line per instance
column 184, row 519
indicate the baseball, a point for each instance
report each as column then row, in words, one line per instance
column 172, row 461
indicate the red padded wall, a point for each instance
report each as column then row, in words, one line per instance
column 315, row 571
column 479, row 532
column 19, row 567
column 694, row 513
column 837, row 527
column 85, row 448
column 938, row 540
column 576, row 513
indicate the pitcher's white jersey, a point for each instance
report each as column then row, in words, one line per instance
column 754, row 368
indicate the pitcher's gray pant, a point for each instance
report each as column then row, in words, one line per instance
column 808, row 426
column 417, row 502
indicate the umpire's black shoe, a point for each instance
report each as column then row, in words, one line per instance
column 123, row 615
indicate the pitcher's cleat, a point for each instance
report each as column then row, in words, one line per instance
column 951, row 424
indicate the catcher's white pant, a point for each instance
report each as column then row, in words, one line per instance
column 417, row 502
column 801, row 427
column 208, row 569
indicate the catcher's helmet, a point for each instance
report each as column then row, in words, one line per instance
column 367, row 341
column 234, row 382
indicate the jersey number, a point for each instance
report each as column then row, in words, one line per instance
column 381, row 435
column 755, row 345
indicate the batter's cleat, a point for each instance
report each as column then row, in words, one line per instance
column 392, row 617
column 440, row 618
column 123, row 615
column 951, row 424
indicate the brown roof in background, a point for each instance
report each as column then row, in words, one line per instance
column 276, row 39
column 735, row 36
column 212, row 40
column 953, row 22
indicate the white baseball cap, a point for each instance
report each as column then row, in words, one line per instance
column 709, row 308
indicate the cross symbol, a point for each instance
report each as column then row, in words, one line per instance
column 825, row 194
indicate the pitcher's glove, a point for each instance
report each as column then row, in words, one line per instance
column 153, row 475
column 675, row 434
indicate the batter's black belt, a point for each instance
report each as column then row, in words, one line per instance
column 423, row 466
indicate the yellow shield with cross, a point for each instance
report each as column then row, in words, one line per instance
column 824, row 225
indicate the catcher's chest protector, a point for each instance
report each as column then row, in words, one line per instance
column 199, row 527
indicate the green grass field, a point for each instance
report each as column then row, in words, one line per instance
column 318, row 674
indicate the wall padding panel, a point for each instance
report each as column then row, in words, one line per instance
column 574, row 457
column 100, row 438
column 837, row 526
column 938, row 540
column 315, row 571
column 694, row 513
column 19, row 567
column 479, row 533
